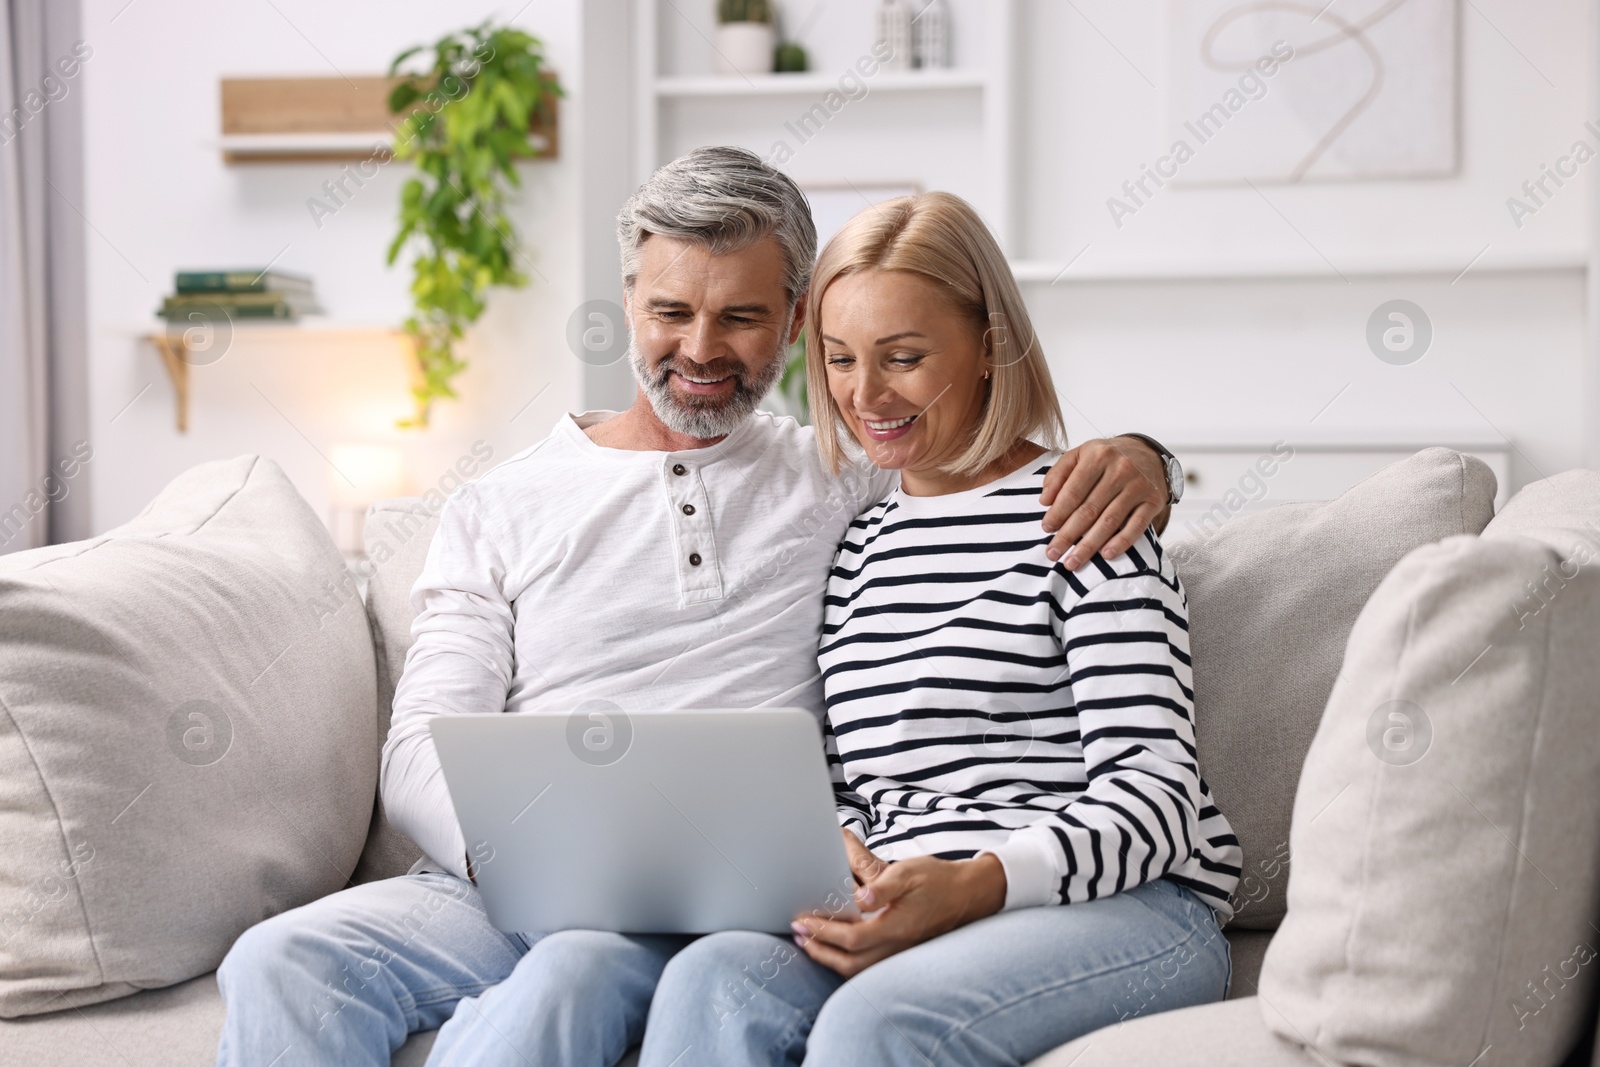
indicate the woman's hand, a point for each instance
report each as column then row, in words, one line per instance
column 920, row 898
column 863, row 864
column 1101, row 496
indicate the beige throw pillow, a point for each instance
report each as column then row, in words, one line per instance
column 1272, row 598
column 1444, row 832
column 187, row 740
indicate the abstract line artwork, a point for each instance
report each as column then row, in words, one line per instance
column 1306, row 90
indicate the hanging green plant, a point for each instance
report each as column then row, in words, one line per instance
column 792, row 383
column 466, row 123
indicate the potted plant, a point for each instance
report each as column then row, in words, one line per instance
column 466, row 123
column 792, row 392
column 745, row 39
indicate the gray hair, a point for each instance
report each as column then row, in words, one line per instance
column 725, row 199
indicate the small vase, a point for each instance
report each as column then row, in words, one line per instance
column 744, row 48
column 894, row 34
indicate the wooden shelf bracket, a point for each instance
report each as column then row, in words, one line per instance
column 175, row 356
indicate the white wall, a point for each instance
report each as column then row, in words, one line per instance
column 1137, row 341
column 159, row 198
column 1257, row 355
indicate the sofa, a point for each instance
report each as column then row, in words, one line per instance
column 1396, row 699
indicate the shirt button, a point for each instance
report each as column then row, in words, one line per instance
column 694, row 559
column 679, row 468
column 688, row 509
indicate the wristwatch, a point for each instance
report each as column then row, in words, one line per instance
column 1169, row 461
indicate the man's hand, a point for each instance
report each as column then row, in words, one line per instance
column 920, row 898
column 1101, row 496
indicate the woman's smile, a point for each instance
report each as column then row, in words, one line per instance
column 888, row 429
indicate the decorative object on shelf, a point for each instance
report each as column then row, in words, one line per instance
column 239, row 294
column 295, row 120
column 791, row 58
column 491, row 82
column 931, row 30
column 203, row 307
column 894, row 34
column 745, row 39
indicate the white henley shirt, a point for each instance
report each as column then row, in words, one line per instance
column 654, row 580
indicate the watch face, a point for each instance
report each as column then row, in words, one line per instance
column 1174, row 479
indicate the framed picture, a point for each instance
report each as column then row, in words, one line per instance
column 1265, row 92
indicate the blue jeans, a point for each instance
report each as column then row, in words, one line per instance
column 1002, row 990
column 346, row 978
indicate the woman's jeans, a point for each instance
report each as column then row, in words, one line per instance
column 1002, row 990
column 346, row 978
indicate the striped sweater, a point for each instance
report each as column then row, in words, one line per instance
column 983, row 700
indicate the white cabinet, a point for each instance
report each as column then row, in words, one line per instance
column 1224, row 481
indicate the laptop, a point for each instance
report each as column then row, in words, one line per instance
column 681, row 822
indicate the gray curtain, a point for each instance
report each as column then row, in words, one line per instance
column 44, row 431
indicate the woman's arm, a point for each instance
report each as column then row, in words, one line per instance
column 1126, row 644
column 854, row 813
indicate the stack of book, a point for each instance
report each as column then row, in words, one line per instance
column 243, row 294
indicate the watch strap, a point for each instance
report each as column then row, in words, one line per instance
column 1167, row 460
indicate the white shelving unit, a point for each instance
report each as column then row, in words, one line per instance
column 947, row 129
column 812, row 83
column 1221, row 268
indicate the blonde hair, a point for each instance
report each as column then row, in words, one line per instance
column 940, row 237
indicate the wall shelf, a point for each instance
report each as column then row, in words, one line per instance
column 287, row 120
column 816, row 83
column 291, row 147
column 172, row 345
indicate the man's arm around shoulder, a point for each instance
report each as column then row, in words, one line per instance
column 1101, row 495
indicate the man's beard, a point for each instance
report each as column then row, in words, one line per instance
column 704, row 417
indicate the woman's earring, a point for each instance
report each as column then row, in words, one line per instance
column 985, row 375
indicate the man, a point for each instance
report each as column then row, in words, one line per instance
column 670, row 556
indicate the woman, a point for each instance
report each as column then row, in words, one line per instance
column 1013, row 744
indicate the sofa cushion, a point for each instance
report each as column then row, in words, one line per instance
column 1563, row 512
column 397, row 536
column 187, row 743
column 174, row 1027
column 1209, row 1035
column 1246, row 950
column 1272, row 598
column 1444, row 877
